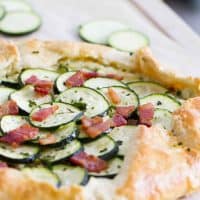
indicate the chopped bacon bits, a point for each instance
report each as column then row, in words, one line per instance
column 98, row 129
column 49, row 139
column 90, row 162
column 75, row 80
column 113, row 96
column 93, row 127
column 20, row 135
column 42, row 87
column 79, row 78
column 9, row 108
column 114, row 76
column 87, row 122
column 146, row 113
column 125, row 111
column 3, row 165
column 44, row 113
column 118, row 120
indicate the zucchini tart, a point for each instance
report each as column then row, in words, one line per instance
column 87, row 122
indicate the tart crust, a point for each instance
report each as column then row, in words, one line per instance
column 155, row 168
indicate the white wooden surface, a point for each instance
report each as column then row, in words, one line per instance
column 61, row 19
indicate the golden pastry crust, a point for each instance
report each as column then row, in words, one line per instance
column 187, row 123
column 154, row 168
column 159, row 169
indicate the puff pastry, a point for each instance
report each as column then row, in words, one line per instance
column 156, row 167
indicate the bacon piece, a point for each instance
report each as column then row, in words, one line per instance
column 90, row 162
column 113, row 96
column 3, row 165
column 49, row 139
column 87, row 122
column 88, row 75
column 98, row 129
column 20, row 135
column 44, row 113
column 125, row 111
column 75, row 80
column 114, row 76
column 42, row 87
column 9, row 108
column 118, row 120
column 146, row 113
column 79, row 78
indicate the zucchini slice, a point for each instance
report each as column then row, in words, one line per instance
column 164, row 118
column 11, row 82
column 42, row 174
column 41, row 74
column 104, row 147
column 162, row 101
column 128, row 40
column 27, row 99
column 99, row 31
column 21, row 154
column 15, row 5
column 144, row 88
column 62, row 135
column 64, row 114
column 60, row 82
column 11, row 122
column 70, row 175
column 122, row 136
column 127, row 96
column 53, row 155
column 20, row 23
column 5, row 93
column 100, row 82
column 94, row 102
column 114, row 166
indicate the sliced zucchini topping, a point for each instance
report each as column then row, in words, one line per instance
column 164, row 118
column 42, row 174
column 100, row 82
column 41, row 74
column 124, row 96
column 53, row 155
column 11, row 122
column 57, row 137
column 162, row 101
column 104, row 147
column 95, row 103
column 21, row 154
column 63, row 114
column 144, row 88
column 5, row 93
column 26, row 98
column 70, row 175
column 60, row 82
column 114, row 166
column 122, row 136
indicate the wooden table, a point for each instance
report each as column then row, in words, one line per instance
column 172, row 41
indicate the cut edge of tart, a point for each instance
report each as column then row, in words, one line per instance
column 156, row 165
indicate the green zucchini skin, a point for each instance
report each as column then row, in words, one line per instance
column 77, row 175
column 64, row 109
column 59, row 154
column 104, row 152
column 23, row 157
column 96, row 103
column 114, row 166
column 64, row 134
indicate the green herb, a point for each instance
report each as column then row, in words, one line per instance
column 35, row 52
column 32, row 103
